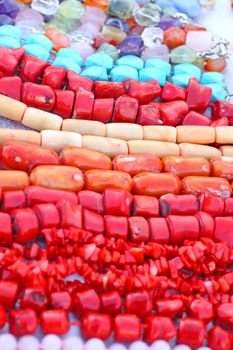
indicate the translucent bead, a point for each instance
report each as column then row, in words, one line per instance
column 110, row 50
column 138, row 345
column 30, row 14
column 114, row 33
column 80, row 36
column 90, row 28
column 181, row 347
column 151, row 36
column 51, row 342
column 94, row 344
column 148, row 15
column 62, row 23
column 160, row 345
column 83, row 49
column 8, row 342
column 72, row 9
column 117, row 346
column 46, row 7
column 94, row 15
column 28, row 343
column 183, row 54
column 169, row 11
column 159, row 51
column 27, row 27
column 199, row 41
column 73, row 343
column 122, row 8
column 102, row 4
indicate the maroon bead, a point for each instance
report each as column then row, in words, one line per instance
column 23, row 322
column 143, row 92
column 159, row 327
column 159, row 230
column 96, row 326
column 64, row 103
column 32, row 68
column 211, row 204
column 54, row 322
column 111, row 302
column 92, row 201
column 6, row 235
column 11, row 87
column 61, row 300
column 86, row 301
column 38, row 96
column 138, row 303
column 126, row 109
column 171, row 204
column 191, row 332
column 198, row 96
column 172, row 92
column 8, row 293
column 149, row 115
column 25, row 225
column 116, row 227
column 75, row 82
column 127, row 328
column 47, row 214
column 93, row 222
column 54, row 77
column 70, row 214
column 83, row 105
column 106, row 89
column 146, row 206
column 34, row 298
column 13, row 200
column 103, row 110
column 117, row 202
column 138, row 229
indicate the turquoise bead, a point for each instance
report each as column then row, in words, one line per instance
column 68, row 63
column 188, row 69
column 40, row 40
column 212, row 78
column 181, row 80
column 100, row 59
column 159, row 64
column 122, row 73
column 95, row 73
column 147, row 74
column 9, row 42
column 37, row 51
column 218, row 92
column 68, row 52
column 11, row 31
column 131, row 61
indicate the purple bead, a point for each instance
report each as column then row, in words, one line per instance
column 9, row 7
column 6, row 20
column 132, row 45
column 118, row 23
column 168, row 22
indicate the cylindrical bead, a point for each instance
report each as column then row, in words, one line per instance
column 171, row 204
column 224, row 134
column 38, row 195
column 41, row 120
column 111, row 147
column 159, row 133
column 11, row 109
column 185, row 166
column 85, row 127
column 11, row 180
column 57, row 140
column 99, row 180
column 222, row 167
column 127, row 131
column 195, row 134
column 19, row 135
column 158, row 148
column 200, row 184
column 227, row 151
column 183, row 228
column 192, row 150
column 136, row 163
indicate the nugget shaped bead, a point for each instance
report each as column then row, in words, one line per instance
column 99, row 180
column 11, row 109
column 58, row 177
column 195, row 134
column 11, row 180
column 6, row 234
column 109, row 146
column 185, row 166
column 26, row 224
column 57, row 140
column 156, row 184
column 85, row 159
column 24, row 156
column 159, row 133
column 22, row 322
column 41, row 120
column 160, row 149
column 126, row 132
column 19, row 135
column 192, row 150
column 213, row 185
column 136, row 163
column 191, row 332
column 85, row 127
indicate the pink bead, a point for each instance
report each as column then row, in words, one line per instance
column 94, row 15
column 28, row 342
column 199, row 40
column 51, row 342
column 138, row 345
column 8, row 342
column 83, row 49
column 73, row 343
column 94, row 344
column 160, row 51
column 90, row 28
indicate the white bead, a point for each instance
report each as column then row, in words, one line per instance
column 204, row 348
column 73, row 343
column 160, row 345
column 94, row 344
column 51, row 342
column 28, row 343
column 181, row 347
column 117, row 346
column 138, row 345
column 8, row 342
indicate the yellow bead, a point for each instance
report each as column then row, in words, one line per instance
column 114, row 33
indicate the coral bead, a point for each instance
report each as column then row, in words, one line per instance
column 127, row 328
column 191, row 332
column 174, row 37
column 97, row 325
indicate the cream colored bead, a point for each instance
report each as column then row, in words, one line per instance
column 227, row 151
column 41, row 120
column 224, row 134
column 125, row 131
column 11, row 109
column 58, row 140
column 189, row 149
column 85, row 127
column 159, row 148
column 19, row 135
column 195, row 134
column 109, row 146
column 159, row 133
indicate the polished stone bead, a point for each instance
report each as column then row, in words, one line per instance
column 84, row 49
column 110, row 50
column 147, row 74
column 100, row 59
column 10, row 31
column 159, row 64
column 174, row 37
column 102, row 4
column 183, row 54
column 90, row 28
column 37, row 51
column 168, row 22
column 80, row 36
column 151, row 36
column 71, row 53
column 40, row 40
column 117, row 346
column 212, row 77
column 148, row 15
column 122, row 73
column 181, row 80
column 46, row 7
column 160, row 345
column 67, row 62
column 189, row 69
column 191, row 7
column 8, row 342
column 28, row 342
column 132, row 45
column 94, row 344
column 51, row 342
column 122, row 8
column 9, row 42
column 159, row 51
column 138, row 345
column 95, row 73
column 27, row 28
column 6, row 20
column 114, row 33
column 118, row 23
column 199, row 41
column 71, row 9
column 9, row 7
column 62, row 23
column 93, row 15
column 72, row 343
column 218, row 92
column 29, row 14
column 131, row 61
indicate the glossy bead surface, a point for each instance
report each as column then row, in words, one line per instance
column 23, row 322
column 97, row 325
column 214, row 185
column 127, row 327
column 136, row 163
column 99, row 180
column 185, row 166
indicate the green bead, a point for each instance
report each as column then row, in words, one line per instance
column 169, row 11
column 122, row 8
column 110, row 50
column 72, row 9
column 61, row 23
column 148, row 15
column 182, row 54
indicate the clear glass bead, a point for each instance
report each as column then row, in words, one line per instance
column 46, row 7
column 151, row 36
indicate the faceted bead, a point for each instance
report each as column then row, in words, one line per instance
column 167, row 22
column 94, row 15
column 8, row 342
column 148, row 15
column 58, row 38
column 118, row 23
column 27, row 27
column 72, row 343
column 28, row 342
column 77, row 36
column 62, row 23
column 102, row 4
column 9, row 7
column 110, row 50
column 199, row 41
column 114, row 33
column 46, row 7
column 160, row 345
column 216, row 65
column 132, row 45
column 94, row 344
column 121, row 8
column 151, row 35
column 51, row 342
column 160, row 51
column 174, row 37
column 183, row 54
column 71, row 9
column 91, row 28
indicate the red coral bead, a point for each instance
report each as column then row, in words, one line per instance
column 11, row 87
column 219, row 339
column 223, row 230
column 116, row 227
column 103, row 110
column 111, row 302
column 168, row 307
column 149, row 115
column 75, row 82
column 172, row 113
column 25, row 225
column 202, row 310
column 32, row 68
column 127, row 328
column 13, row 200
column 172, row 92
column 83, row 105
column 55, row 322
column 93, row 222
column 191, row 332
column 61, row 300
column 228, row 207
column 194, row 118
column 22, row 322
column 138, row 229
column 34, row 298
column 117, row 202
column 126, row 109
column 86, row 301
column 225, row 315
column 206, row 223
column 39, row 195
column 54, row 77
column 198, row 96
column 159, row 327
column 8, row 61
column 6, row 234
column 8, row 293
column 64, row 103
column 3, row 318
column 144, row 92
column 70, row 214
column 108, row 89
column 47, row 214
column 38, row 96
column 171, row 204
column 211, row 204
column 159, row 230
column 221, row 109
column 145, row 206
column 91, row 200
column 96, row 325
column 220, row 122
column 183, row 228
column 138, row 303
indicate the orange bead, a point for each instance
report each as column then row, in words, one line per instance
column 24, row 1
column 85, row 159
column 201, row 184
column 186, row 166
column 99, row 180
column 59, row 177
column 137, row 163
column 156, row 184
column 217, row 65
column 11, row 180
column 222, row 167
column 102, row 4
column 190, row 27
column 174, row 37
column 58, row 38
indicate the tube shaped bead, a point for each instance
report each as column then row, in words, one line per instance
column 136, row 163
column 195, row 134
column 198, row 185
column 185, row 166
column 227, row 151
column 99, row 180
column 13, row 200
column 171, row 204
column 222, row 167
column 11, row 180
column 183, row 228
column 192, row 150
column 55, row 322
column 128, row 131
column 159, row 133
column 41, row 120
column 85, row 127
column 11, row 109
column 29, row 136
column 224, row 134
column 109, row 146
column 57, row 140
column 160, row 149
column 39, row 195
